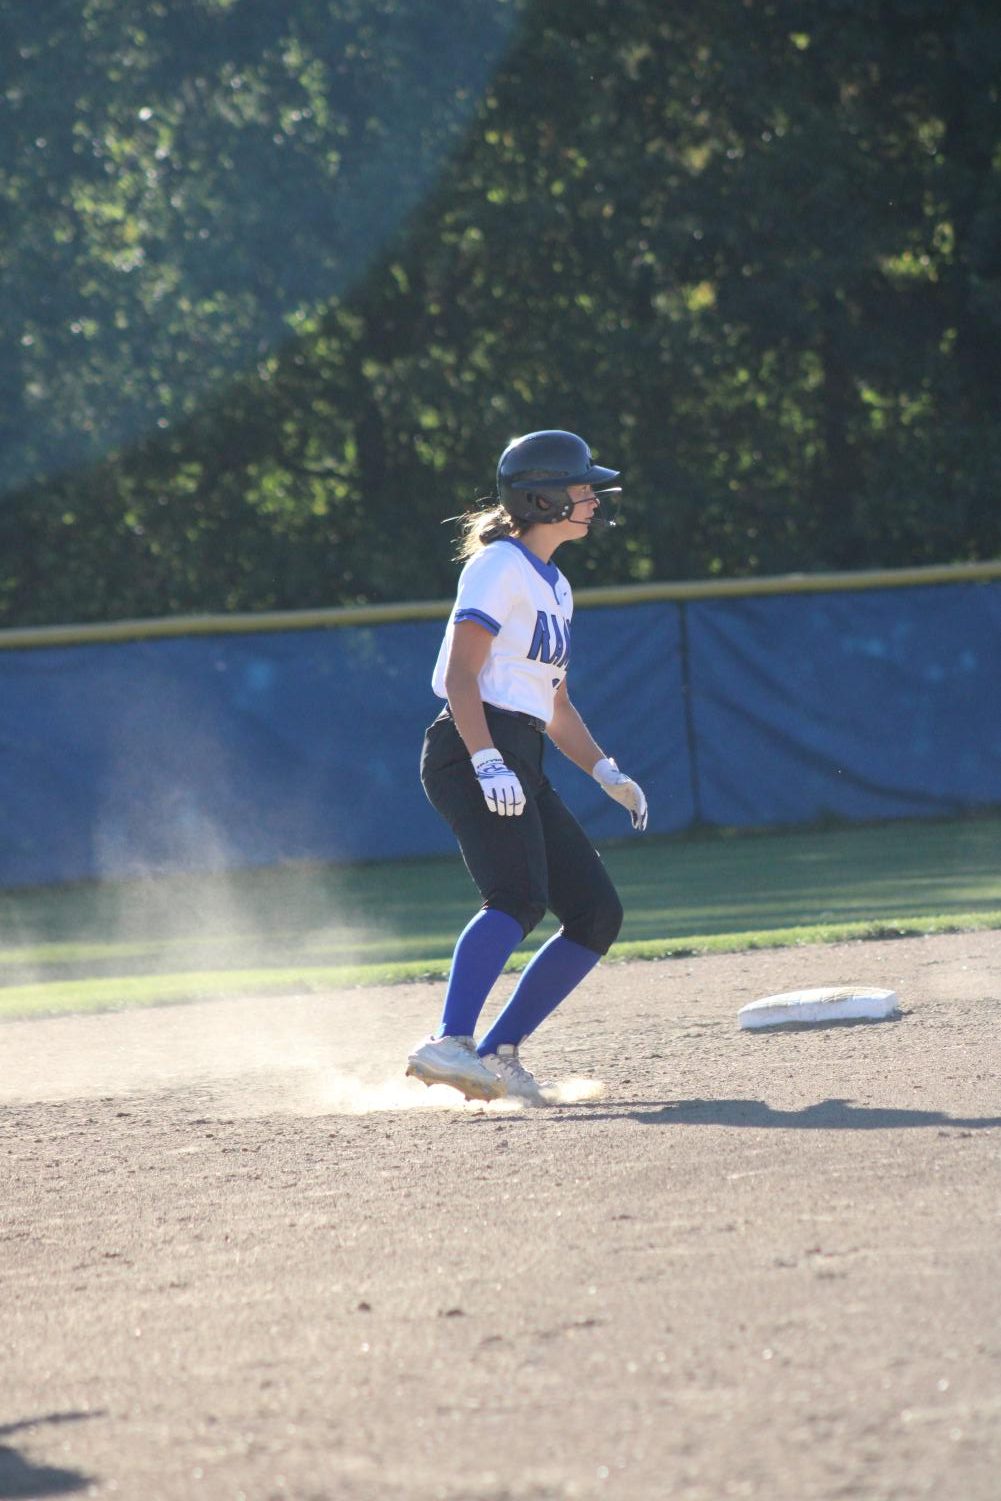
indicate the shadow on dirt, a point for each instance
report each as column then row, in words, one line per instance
column 20, row 1478
column 828, row 1115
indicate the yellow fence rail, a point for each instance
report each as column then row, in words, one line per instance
column 437, row 609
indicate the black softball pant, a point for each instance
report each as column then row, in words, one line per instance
column 522, row 866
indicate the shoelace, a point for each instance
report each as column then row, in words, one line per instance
column 514, row 1066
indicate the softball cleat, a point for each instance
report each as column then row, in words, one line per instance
column 454, row 1061
column 520, row 1082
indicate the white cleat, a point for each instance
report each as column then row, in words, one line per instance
column 520, row 1082
column 454, row 1061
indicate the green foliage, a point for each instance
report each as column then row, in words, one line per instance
column 280, row 279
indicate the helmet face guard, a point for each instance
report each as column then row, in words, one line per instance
column 536, row 471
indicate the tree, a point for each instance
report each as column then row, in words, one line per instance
column 282, row 280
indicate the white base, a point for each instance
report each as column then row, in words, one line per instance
column 828, row 1003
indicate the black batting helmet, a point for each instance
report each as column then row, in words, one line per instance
column 536, row 470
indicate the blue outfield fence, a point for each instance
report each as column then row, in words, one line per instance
column 240, row 745
column 872, row 705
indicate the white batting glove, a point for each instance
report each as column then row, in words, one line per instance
column 501, row 787
column 623, row 789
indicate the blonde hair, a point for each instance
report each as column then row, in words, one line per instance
column 477, row 529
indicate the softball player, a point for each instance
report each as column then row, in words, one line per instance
column 502, row 672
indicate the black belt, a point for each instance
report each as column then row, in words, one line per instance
column 529, row 719
column 537, row 724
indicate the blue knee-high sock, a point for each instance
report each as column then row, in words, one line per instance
column 484, row 947
column 557, row 968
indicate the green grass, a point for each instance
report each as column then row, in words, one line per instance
column 103, row 946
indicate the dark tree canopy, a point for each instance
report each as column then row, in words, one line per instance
column 279, row 279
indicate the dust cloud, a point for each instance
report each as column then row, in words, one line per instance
column 310, row 1055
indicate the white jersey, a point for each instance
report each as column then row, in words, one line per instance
column 526, row 605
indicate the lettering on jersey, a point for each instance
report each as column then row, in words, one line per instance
column 551, row 640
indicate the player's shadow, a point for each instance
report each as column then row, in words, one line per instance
column 828, row 1115
column 20, row 1478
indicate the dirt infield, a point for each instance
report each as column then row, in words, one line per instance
column 241, row 1257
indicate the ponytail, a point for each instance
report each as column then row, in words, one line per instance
column 477, row 529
